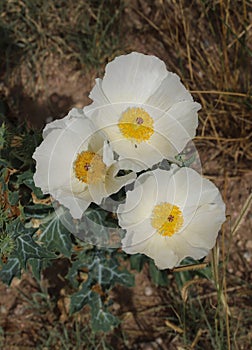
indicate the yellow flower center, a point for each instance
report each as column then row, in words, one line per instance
column 89, row 167
column 167, row 219
column 136, row 124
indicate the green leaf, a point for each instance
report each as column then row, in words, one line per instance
column 137, row 261
column 81, row 298
column 158, row 277
column 27, row 248
column 10, row 270
column 109, row 274
column 26, row 178
column 36, row 266
column 38, row 211
column 13, row 198
column 96, row 231
column 102, row 320
column 102, row 267
column 80, row 262
column 104, row 271
column 16, row 228
column 3, row 162
column 55, row 235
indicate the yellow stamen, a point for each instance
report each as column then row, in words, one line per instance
column 167, row 219
column 136, row 124
column 89, row 167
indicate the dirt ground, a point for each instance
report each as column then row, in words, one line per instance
column 27, row 321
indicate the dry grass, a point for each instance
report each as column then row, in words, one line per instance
column 209, row 44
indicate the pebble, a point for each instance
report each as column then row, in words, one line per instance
column 159, row 341
column 249, row 244
column 148, row 291
column 247, row 256
column 116, row 306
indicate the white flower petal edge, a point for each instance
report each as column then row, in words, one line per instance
column 76, row 165
column 145, row 110
column 170, row 215
column 71, row 122
column 133, row 78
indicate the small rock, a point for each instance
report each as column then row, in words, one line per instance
column 159, row 341
column 116, row 306
column 148, row 291
column 249, row 244
column 247, row 256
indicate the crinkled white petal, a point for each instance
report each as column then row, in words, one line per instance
column 183, row 189
column 143, row 153
column 73, row 121
column 131, row 164
column 139, row 202
column 108, row 154
column 76, row 204
column 115, row 183
column 133, row 78
column 98, row 97
column 184, row 250
column 110, row 184
column 170, row 91
column 161, row 252
column 106, row 118
column 179, row 124
column 156, row 247
column 97, row 191
column 54, row 159
column 139, row 233
column 163, row 146
column 204, row 226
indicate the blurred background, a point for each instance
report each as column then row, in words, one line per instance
column 51, row 52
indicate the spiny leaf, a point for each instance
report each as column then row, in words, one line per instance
column 109, row 274
column 55, row 235
column 81, row 298
column 73, row 273
column 96, row 231
column 13, row 198
column 102, row 320
column 36, row 265
column 102, row 267
column 10, row 270
column 7, row 244
column 26, row 178
column 27, row 248
column 16, row 228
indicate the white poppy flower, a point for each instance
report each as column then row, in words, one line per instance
column 171, row 215
column 145, row 110
column 76, row 165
